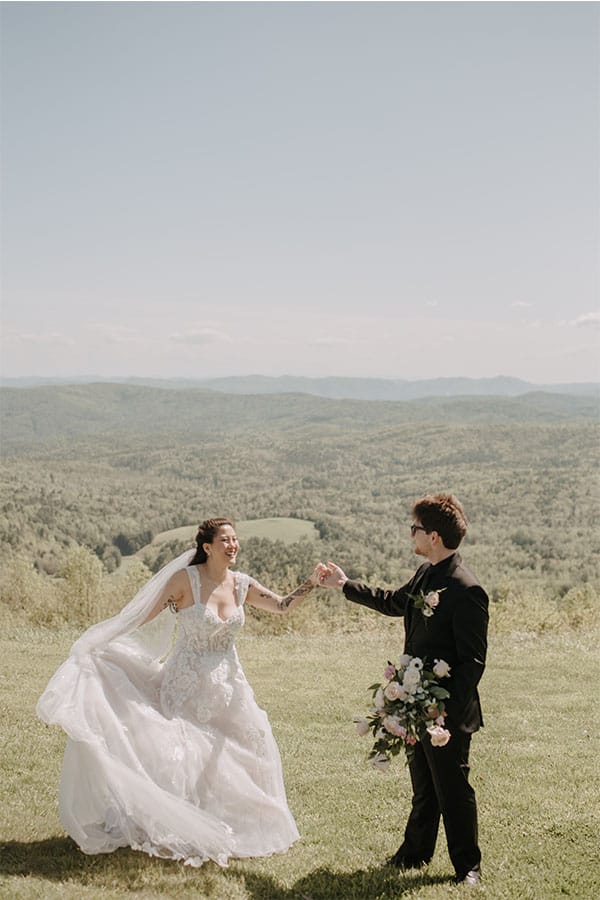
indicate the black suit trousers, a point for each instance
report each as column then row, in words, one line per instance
column 440, row 781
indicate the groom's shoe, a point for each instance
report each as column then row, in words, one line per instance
column 405, row 862
column 472, row 877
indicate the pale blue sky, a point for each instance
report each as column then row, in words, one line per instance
column 388, row 189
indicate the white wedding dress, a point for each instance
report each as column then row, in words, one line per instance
column 173, row 758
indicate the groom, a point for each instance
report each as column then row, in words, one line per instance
column 456, row 631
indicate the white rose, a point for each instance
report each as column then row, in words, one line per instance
column 411, row 678
column 379, row 699
column 404, row 661
column 439, row 736
column 441, row 668
column 362, row 727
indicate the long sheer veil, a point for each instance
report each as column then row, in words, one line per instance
column 155, row 637
column 123, row 632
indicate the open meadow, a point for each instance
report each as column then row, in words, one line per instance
column 534, row 767
column 102, row 484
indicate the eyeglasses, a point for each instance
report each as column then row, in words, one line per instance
column 415, row 528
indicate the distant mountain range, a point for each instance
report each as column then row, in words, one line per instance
column 333, row 388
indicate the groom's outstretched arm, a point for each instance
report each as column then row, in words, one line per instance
column 390, row 603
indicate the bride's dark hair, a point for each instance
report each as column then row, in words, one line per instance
column 207, row 532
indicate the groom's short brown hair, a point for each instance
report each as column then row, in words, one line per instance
column 442, row 513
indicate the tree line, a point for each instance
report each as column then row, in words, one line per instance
column 530, row 491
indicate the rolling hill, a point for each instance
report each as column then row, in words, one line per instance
column 31, row 417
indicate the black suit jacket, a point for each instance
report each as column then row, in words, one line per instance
column 456, row 632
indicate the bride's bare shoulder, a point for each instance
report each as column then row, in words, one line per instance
column 180, row 577
column 179, row 582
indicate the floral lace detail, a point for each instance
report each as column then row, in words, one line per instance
column 205, row 632
column 256, row 740
column 198, row 676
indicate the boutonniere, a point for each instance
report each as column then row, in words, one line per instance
column 427, row 603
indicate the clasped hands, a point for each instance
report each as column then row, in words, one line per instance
column 328, row 575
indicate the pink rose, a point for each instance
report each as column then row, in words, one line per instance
column 362, row 727
column 439, row 736
column 393, row 691
column 389, row 672
column 392, row 724
column 432, row 599
column 381, row 762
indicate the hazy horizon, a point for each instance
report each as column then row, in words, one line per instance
column 389, row 190
column 90, row 376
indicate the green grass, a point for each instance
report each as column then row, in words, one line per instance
column 534, row 767
column 276, row 529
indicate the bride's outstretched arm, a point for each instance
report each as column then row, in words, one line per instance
column 263, row 598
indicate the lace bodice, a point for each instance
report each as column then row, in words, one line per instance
column 198, row 672
column 201, row 628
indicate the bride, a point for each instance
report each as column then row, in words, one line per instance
column 173, row 758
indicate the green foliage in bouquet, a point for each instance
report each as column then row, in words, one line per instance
column 408, row 706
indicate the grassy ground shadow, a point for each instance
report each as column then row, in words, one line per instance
column 58, row 859
column 325, row 884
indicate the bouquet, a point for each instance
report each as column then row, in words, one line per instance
column 408, row 704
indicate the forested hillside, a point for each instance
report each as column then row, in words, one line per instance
column 107, row 467
column 56, row 415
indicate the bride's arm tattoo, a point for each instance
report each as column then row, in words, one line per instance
column 284, row 603
column 171, row 602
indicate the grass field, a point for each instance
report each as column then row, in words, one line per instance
column 277, row 529
column 534, row 766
